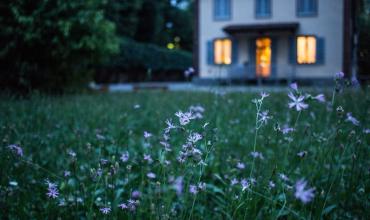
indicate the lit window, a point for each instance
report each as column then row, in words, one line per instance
column 306, row 50
column 222, row 48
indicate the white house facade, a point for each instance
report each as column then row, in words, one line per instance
column 271, row 39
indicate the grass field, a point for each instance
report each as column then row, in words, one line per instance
column 110, row 156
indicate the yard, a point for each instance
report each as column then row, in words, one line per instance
column 113, row 156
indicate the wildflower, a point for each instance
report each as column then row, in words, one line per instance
column 136, row 194
column 100, row 137
column 256, row 154
column 184, row 118
column 103, row 161
column 264, row 95
column 52, row 192
column 137, row 106
column 283, row 177
column 67, row 173
column 352, row 119
column 193, row 189
column 271, row 185
column 147, row 135
column 305, row 195
column 72, row 153
column 124, row 157
column 194, row 137
column 264, row 117
column 169, row 125
column 297, row 102
column 240, row 165
column 234, row 181
column 178, row 185
column 287, row 130
column 132, row 204
column 245, row 184
column 367, row 131
column 294, row 86
column 202, row 186
column 16, row 149
column 123, row 206
column 148, row 158
column 339, row 75
column 105, row 210
column 151, row 175
column 302, row 154
column 320, row 98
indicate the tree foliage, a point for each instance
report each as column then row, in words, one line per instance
column 52, row 44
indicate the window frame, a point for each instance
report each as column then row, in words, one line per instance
column 231, row 51
column 307, row 14
column 296, row 49
column 260, row 16
column 222, row 18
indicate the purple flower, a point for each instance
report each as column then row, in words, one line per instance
column 124, row 156
column 194, row 137
column 67, row 173
column 352, row 119
column 245, row 184
column 136, row 194
column 339, row 75
column 294, row 86
column 184, row 118
column 147, row 134
column 305, row 195
column 151, row 175
column 148, row 158
column 234, row 181
column 271, row 184
column 169, row 126
column 302, row 154
column 132, row 204
column 240, row 165
column 256, row 154
column 123, row 206
column 16, row 149
column 297, row 102
column 367, row 131
column 287, row 129
column 193, row 189
column 202, row 186
column 264, row 95
column 264, row 117
column 105, row 210
column 320, row 98
column 178, row 185
column 52, row 193
column 283, row 177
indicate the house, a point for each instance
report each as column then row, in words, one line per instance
column 272, row 40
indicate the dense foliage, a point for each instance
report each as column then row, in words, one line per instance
column 96, row 156
column 52, row 44
column 140, row 62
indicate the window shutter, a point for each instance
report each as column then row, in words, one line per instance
column 210, row 53
column 320, row 50
column 252, row 56
column 274, row 46
column 234, row 51
column 216, row 8
column 292, row 50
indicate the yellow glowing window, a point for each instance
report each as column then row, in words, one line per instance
column 306, row 49
column 222, row 48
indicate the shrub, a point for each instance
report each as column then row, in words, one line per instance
column 138, row 60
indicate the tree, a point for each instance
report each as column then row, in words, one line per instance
column 52, row 44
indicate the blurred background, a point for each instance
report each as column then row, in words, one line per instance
column 61, row 46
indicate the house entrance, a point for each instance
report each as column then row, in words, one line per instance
column 263, row 57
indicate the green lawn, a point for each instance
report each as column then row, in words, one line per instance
column 87, row 134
